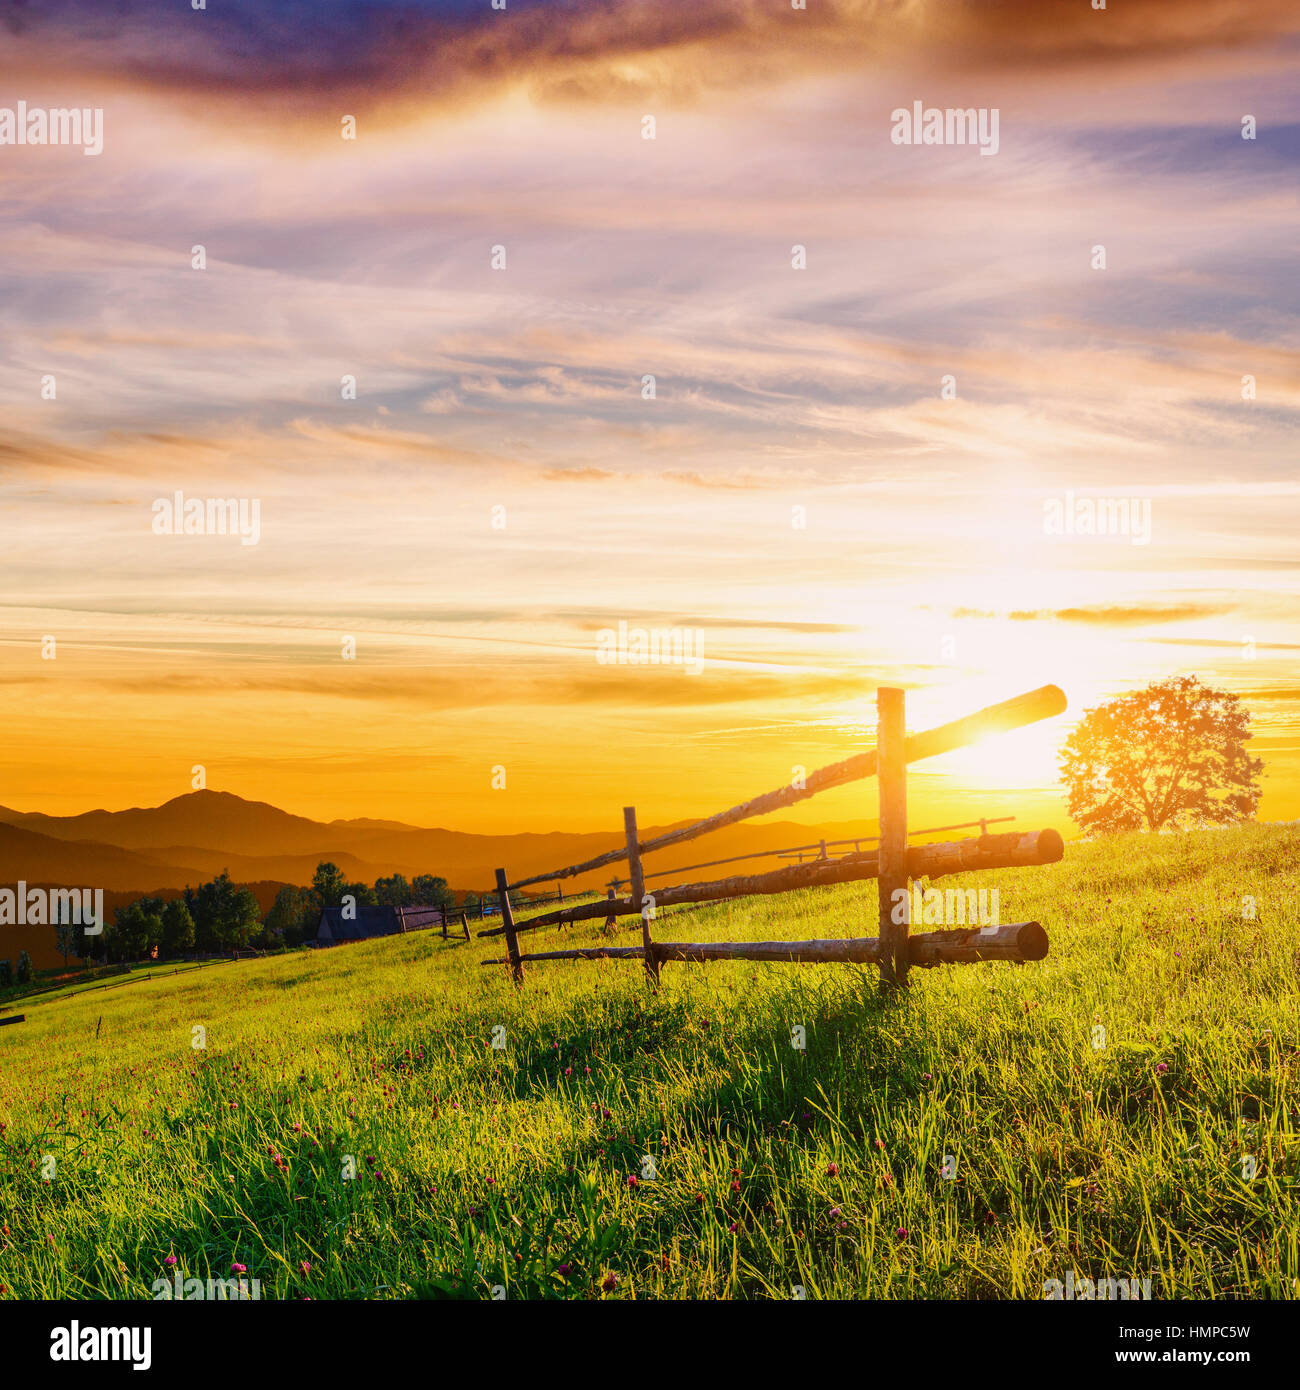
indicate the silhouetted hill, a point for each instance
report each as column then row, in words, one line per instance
column 37, row 858
column 195, row 836
column 215, row 820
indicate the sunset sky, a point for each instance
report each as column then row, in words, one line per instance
column 924, row 560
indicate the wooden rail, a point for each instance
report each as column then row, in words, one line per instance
column 1043, row 703
column 1015, row 941
column 923, row 861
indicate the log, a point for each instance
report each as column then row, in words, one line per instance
column 15, row 1018
column 985, row 852
column 891, row 854
column 636, row 885
column 923, row 861
column 1043, row 703
column 508, row 918
column 1016, row 941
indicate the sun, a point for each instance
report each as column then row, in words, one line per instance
column 1024, row 759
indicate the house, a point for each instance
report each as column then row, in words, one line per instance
column 362, row 923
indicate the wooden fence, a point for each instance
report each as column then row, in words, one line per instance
column 893, row 863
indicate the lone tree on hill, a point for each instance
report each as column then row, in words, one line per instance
column 1170, row 756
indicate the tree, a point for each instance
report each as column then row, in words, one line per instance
column 393, row 892
column 1170, row 756
column 6, row 973
column 431, row 891
column 293, row 916
column 329, row 885
column 24, row 974
column 225, row 915
column 137, row 928
column 362, row 893
column 67, row 939
column 70, row 937
column 177, row 928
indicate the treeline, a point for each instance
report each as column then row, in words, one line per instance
column 219, row 916
column 296, row 911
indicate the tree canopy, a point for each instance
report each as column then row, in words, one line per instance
column 1171, row 756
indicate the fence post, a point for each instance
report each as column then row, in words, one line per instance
column 611, row 920
column 891, row 767
column 638, row 890
column 508, row 919
column 559, row 892
column 444, row 924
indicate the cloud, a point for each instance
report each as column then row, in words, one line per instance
column 461, row 688
column 404, row 57
column 1107, row 615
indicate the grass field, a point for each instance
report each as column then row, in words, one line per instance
column 478, row 1167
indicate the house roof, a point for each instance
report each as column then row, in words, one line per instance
column 366, row 922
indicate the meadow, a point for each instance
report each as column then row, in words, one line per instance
column 972, row 1138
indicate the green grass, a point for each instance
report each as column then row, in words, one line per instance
column 20, row 999
column 478, row 1167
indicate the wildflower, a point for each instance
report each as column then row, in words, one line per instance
column 610, row 1282
column 170, row 1260
column 902, row 1233
column 633, row 1180
column 1161, row 1068
column 564, row 1270
column 238, row 1269
column 305, row 1266
column 832, row 1170
column 835, row 1212
column 880, row 1143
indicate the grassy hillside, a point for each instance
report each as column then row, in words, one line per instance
column 478, row 1167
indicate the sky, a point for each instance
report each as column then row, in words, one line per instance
column 877, row 369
